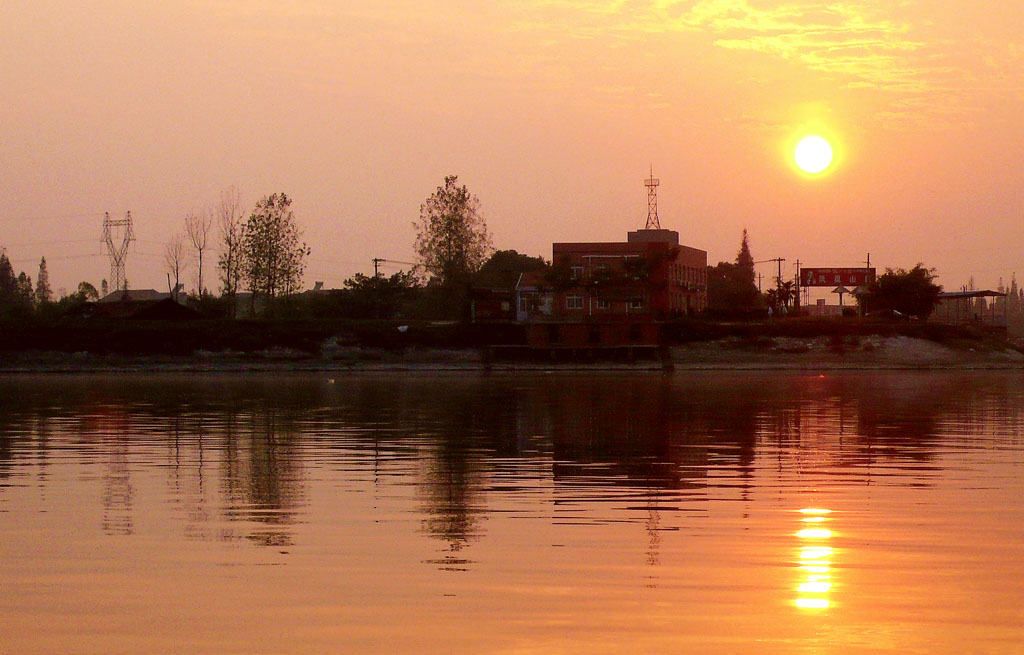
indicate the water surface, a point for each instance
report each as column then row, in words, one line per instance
column 699, row 513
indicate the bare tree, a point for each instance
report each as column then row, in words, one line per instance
column 174, row 261
column 197, row 227
column 229, row 222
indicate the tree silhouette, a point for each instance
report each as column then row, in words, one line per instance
column 43, row 292
column 913, row 293
column 452, row 239
column 272, row 255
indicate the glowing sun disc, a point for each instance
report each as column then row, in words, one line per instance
column 813, row 154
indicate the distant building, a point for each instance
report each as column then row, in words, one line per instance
column 970, row 308
column 649, row 276
column 612, row 294
column 164, row 309
column 134, row 295
column 491, row 304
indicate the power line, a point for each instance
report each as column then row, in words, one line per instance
column 46, row 243
column 55, row 217
column 55, row 259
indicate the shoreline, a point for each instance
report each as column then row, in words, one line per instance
column 899, row 354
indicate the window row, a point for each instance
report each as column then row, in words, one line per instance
column 579, row 302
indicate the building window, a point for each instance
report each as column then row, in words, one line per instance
column 636, row 303
column 574, row 302
column 577, row 272
column 604, row 303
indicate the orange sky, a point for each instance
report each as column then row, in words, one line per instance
column 550, row 111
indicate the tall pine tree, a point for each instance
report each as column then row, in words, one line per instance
column 43, row 292
column 744, row 260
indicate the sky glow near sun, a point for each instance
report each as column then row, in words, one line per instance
column 550, row 111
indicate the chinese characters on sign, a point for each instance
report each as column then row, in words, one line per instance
column 828, row 277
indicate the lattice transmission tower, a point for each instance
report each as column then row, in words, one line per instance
column 114, row 231
column 652, row 201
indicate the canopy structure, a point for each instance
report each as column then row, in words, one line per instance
column 982, row 307
column 841, row 290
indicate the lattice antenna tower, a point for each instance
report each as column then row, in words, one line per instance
column 652, row 201
column 113, row 231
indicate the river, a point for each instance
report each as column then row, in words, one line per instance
column 710, row 512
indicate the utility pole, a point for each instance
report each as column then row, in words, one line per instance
column 778, row 278
column 796, row 298
column 377, row 261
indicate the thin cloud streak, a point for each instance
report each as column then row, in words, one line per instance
column 859, row 45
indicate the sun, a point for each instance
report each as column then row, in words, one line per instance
column 813, row 154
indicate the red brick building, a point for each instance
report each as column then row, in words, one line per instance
column 648, row 276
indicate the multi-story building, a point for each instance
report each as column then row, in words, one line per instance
column 649, row 276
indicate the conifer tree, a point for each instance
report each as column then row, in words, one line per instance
column 43, row 292
column 25, row 289
column 744, row 260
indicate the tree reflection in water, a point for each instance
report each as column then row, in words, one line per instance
column 237, row 450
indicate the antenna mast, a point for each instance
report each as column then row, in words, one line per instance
column 652, row 201
column 117, row 254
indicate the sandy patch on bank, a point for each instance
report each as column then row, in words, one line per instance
column 864, row 352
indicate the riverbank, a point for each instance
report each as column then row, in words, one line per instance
column 769, row 353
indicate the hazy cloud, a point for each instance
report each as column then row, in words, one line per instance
column 891, row 48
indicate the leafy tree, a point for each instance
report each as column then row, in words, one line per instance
column 272, row 257
column 638, row 269
column 912, row 293
column 503, row 268
column 787, row 293
column 451, row 235
column 8, row 281
column 731, row 287
column 87, row 291
column 378, row 296
column 13, row 301
column 25, row 289
column 43, row 292
column 559, row 275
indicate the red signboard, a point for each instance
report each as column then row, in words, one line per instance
column 833, row 277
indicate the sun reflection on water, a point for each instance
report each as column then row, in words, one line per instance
column 815, row 560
